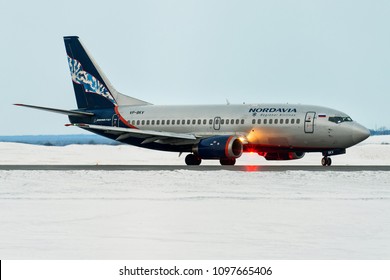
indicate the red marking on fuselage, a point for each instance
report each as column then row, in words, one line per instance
column 122, row 119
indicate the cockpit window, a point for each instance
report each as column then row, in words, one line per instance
column 340, row 119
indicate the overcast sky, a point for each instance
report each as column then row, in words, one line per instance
column 330, row 53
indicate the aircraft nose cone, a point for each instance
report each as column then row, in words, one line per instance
column 360, row 133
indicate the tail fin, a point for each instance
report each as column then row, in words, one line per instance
column 92, row 88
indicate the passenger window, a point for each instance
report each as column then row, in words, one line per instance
column 199, row 121
column 231, row 121
column 292, row 121
column 173, row 122
column 287, row 121
column 143, row 122
column 259, row 121
column 237, row 121
column 222, row 121
column 281, row 121
column 276, row 121
column 163, row 122
column 193, row 121
column 158, row 122
column 227, row 121
column 204, row 121
column 265, row 121
column 152, row 122
column 242, row 121
column 270, row 121
column 188, row 122
column 253, row 121
column 298, row 121
column 210, row 121
column 183, row 122
column 168, row 122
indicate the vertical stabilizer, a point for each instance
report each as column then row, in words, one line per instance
column 92, row 88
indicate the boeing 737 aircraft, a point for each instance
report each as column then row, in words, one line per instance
column 208, row 132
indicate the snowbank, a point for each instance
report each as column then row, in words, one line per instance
column 374, row 151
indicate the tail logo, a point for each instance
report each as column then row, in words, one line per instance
column 89, row 82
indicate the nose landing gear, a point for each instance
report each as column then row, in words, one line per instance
column 326, row 161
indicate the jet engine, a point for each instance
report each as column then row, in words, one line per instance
column 284, row 156
column 219, row 147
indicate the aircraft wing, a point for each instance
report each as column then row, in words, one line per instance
column 149, row 135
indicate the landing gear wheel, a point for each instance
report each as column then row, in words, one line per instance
column 227, row 161
column 326, row 161
column 192, row 159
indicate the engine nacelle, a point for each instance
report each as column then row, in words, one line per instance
column 219, row 147
column 284, row 156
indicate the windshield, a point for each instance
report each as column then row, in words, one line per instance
column 340, row 119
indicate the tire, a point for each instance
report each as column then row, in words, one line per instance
column 227, row 161
column 191, row 159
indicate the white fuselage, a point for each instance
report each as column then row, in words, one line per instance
column 273, row 125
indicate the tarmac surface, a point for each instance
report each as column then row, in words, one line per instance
column 246, row 168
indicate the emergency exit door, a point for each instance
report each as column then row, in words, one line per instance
column 217, row 123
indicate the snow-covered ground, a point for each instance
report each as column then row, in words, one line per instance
column 185, row 214
column 374, row 151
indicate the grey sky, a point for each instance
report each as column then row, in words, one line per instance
column 330, row 53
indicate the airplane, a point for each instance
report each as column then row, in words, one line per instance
column 205, row 132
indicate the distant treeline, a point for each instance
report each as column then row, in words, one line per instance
column 381, row 131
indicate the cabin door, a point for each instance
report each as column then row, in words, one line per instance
column 309, row 122
column 115, row 120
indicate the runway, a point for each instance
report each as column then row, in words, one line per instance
column 244, row 168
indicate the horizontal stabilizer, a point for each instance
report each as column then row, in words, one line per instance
column 59, row 111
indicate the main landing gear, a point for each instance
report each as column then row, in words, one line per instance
column 326, row 161
column 227, row 161
column 192, row 159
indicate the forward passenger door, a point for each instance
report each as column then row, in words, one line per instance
column 309, row 122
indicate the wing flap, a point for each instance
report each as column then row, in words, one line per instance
column 148, row 135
